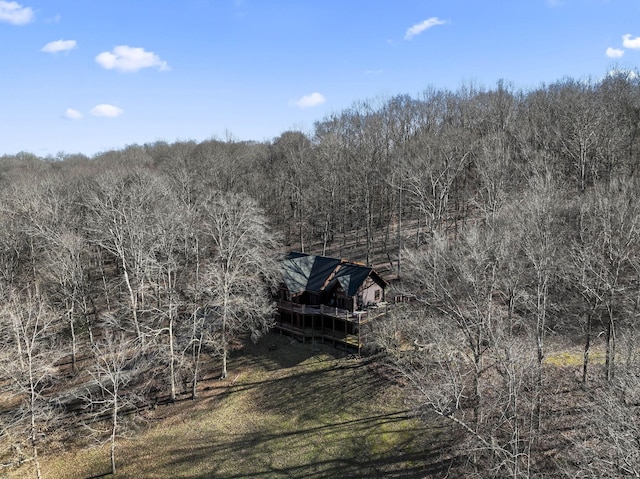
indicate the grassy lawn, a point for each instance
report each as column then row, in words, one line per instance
column 574, row 356
column 285, row 413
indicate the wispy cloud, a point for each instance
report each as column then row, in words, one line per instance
column 106, row 110
column 71, row 114
column 614, row 52
column 629, row 42
column 54, row 19
column 59, row 46
column 418, row 28
column 130, row 59
column 13, row 12
column 307, row 101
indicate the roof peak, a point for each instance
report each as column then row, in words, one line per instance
column 300, row 254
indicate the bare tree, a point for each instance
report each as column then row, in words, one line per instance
column 111, row 393
column 434, row 162
column 241, row 269
column 47, row 217
column 27, row 357
column 587, row 274
column 291, row 151
column 579, row 126
column 607, row 259
column 198, row 334
column 123, row 222
column 618, row 96
column 457, row 348
column 606, row 446
column 170, row 280
column 543, row 241
column 467, row 357
column 327, row 199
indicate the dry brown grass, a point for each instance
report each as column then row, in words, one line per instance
column 288, row 413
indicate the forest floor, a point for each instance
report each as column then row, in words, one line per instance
column 285, row 411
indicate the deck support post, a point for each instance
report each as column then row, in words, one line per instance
column 333, row 333
column 359, row 342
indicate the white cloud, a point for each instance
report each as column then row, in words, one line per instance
column 629, row 42
column 614, row 52
column 71, row 114
column 59, row 46
column 418, row 28
column 106, row 110
column 13, row 12
column 307, row 101
column 130, row 59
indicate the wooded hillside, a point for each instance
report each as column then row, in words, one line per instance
column 510, row 218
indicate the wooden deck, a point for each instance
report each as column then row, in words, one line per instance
column 332, row 312
column 328, row 335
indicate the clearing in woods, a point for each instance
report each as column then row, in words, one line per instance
column 284, row 411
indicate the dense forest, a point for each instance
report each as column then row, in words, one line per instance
column 508, row 219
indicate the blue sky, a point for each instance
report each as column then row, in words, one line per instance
column 84, row 76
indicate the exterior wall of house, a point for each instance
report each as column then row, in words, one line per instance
column 370, row 293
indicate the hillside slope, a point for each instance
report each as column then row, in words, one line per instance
column 285, row 411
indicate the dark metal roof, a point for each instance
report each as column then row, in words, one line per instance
column 350, row 276
column 305, row 272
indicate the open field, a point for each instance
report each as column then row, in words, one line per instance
column 288, row 412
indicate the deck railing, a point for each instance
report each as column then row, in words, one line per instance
column 331, row 311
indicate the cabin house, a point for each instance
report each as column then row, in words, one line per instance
column 324, row 299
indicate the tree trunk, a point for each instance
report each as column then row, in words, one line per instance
column 368, row 226
column 325, row 235
column 610, row 348
column 134, row 303
column 196, row 368
column 540, row 335
column 225, row 312
column 224, row 363
column 34, row 433
column 587, row 346
column 74, row 342
column 114, row 428
column 172, row 359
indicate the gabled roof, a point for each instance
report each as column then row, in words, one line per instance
column 303, row 272
column 350, row 276
column 306, row 272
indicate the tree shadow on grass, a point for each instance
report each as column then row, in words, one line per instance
column 275, row 351
column 301, row 413
column 323, row 419
column 355, row 453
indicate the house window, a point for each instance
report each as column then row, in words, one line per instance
column 377, row 295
